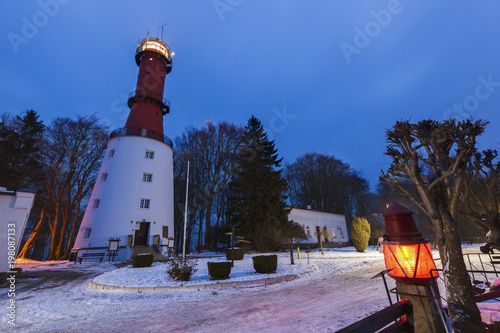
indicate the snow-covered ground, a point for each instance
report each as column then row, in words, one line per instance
column 155, row 276
column 332, row 292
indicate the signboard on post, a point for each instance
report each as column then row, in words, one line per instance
column 113, row 248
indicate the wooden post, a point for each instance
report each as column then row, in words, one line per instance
column 427, row 315
column 233, row 231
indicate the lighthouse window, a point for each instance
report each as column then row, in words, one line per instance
column 147, row 177
column 104, row 177
column 144, row 203
column 86, row 233
column 150, row 154
column 96, row 203
column 111, row 153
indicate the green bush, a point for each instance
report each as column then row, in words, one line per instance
column 219, row 270
column 238, row 254
column 142, row 260
column 181, row 270
column 265, row 264
column 360, row 233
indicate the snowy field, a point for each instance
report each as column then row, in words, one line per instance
column 332, row 291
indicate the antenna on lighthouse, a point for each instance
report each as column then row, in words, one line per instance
column 162, row 26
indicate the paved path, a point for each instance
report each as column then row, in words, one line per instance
column 61, row 303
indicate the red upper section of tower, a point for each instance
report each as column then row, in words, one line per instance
column 147, row 105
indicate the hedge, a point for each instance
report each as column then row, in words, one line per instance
column 238, row 253
column 219, row 270
column 265, row 264
column 142, row 260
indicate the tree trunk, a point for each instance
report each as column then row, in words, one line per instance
column 53, row 232
column 208, row 222
column 28, row 246
column 74, row 230
column 200, row 232
column 464, row 313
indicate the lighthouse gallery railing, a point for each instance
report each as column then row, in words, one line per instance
column 134, row 131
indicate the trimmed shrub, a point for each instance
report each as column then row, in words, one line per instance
column 219, row 270
column 360, row 233
column 238, row 254
column 181, row 270
column 142, row 260
column 265, row 264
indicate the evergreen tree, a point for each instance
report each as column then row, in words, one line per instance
column 20, row 148
column 257, row 202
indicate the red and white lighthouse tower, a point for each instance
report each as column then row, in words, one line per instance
column 133, row 196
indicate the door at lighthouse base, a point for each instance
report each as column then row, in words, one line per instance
column 141, row 233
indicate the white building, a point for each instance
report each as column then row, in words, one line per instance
column 132, row 199
column 312, row 221
column 15, row 208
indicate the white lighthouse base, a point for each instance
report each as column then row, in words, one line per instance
column 132, row 199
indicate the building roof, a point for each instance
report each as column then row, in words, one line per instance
column 314, row 210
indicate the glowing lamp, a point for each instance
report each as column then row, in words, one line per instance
column 406, row 252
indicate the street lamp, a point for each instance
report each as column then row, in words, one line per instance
column 409, row 260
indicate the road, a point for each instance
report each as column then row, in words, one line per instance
column 61, row 301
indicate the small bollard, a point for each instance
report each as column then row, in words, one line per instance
column 308, row 251
column 298, row 252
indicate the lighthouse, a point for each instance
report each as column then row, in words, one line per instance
column 132, row 199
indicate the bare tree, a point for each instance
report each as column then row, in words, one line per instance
column 293, row 231
column 479, row 202
column 433, row 157
column 72, row 155
column 327, row 184
column 211, row 151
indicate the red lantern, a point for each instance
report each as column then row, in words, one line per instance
column 406, row 252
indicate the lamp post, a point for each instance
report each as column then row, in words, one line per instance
column 409, row 260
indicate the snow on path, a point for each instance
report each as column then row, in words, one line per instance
column 338, row 294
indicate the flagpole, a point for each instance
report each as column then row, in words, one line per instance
column 185, row 215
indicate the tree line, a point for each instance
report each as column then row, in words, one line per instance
column 246, row 182
column 61, row 161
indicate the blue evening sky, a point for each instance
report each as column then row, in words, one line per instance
column 325, row 76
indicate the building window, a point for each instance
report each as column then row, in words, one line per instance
column 341, row 232
column 150, row 154
column 165, row 232
column 147, row 177
column 334, row 233
column 144, row 203
column 308, row 231
column 104, row 177
column 86, row 233
column 111, row 153
column 96, row 203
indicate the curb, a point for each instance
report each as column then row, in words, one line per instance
column 198, row 287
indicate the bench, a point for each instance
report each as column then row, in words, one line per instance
column 397, row 318
column 99, row 256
